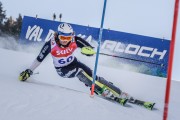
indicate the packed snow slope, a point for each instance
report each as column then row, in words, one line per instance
column 44, row 98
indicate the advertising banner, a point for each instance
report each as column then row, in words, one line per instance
column 133, row 52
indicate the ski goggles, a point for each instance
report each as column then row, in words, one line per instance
column 65, row 38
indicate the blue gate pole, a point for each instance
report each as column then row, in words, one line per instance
column 98, row 49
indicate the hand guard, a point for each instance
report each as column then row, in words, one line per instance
column 88, row 51
column 25, row 75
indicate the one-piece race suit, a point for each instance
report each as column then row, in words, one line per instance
column 68, row 66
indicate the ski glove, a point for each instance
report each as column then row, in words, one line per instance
column 25, row 75
column 88, row 51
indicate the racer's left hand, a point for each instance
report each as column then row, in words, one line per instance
column 88, row 51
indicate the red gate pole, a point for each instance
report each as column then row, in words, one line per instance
column 170, row 62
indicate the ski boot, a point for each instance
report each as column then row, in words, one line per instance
column 106, row 93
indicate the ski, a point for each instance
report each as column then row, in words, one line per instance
column 147, row 105
column 132, row 100
column 119, row 100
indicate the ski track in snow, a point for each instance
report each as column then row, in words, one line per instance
column 48, row 101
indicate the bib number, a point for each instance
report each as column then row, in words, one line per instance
column 65, row 60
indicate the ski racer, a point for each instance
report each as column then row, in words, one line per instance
column 61, row 47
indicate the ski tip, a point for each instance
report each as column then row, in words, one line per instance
column 153, row 106
column 149, row 105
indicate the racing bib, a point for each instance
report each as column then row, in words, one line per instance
column 62, row 56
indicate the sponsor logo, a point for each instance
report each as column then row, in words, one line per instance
column 66, row 51
column 133, row 49
column 35, row 33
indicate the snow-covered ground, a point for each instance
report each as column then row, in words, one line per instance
column 43, row 98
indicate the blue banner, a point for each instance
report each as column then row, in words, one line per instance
column 144, row 54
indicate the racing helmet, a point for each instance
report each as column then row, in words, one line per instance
column 65, row 33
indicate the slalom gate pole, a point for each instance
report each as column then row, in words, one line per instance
column 98, row 49
column 170, row 62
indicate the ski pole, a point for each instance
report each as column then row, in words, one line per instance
column 35, row 73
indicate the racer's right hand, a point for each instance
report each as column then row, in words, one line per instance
column 25, row 75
